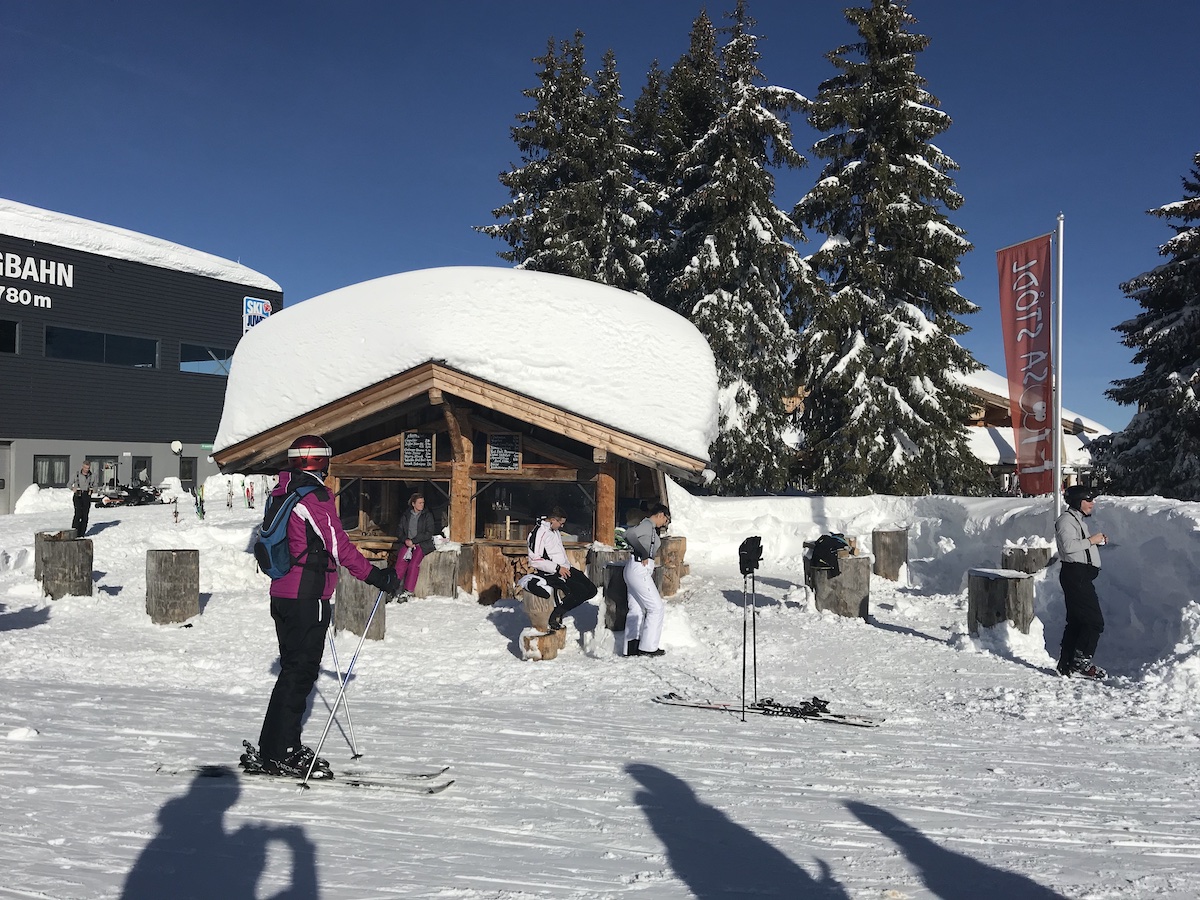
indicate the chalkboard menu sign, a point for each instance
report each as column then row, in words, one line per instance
column 504, row 452
column 418, row 450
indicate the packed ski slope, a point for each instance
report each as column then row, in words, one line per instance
column 990, row 778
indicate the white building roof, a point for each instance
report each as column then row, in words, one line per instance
column 62, row 230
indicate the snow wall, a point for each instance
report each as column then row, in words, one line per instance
column 1147, row 586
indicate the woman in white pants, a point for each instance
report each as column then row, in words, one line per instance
column 643, row 625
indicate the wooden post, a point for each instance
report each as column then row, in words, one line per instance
column 606, row 503
column 891, row 552
column 1030, row 560
column 172, row 585
column 669, row 567
column 67, row 568
column 848, row 593
column 616, row 595
column 354, row 600
column 999, row 595
column 462, row 450
column 40, row 538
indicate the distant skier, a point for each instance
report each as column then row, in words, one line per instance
column 82, row 486
column 1079, row 555
column 555, row 576
column 301, row 610
column 644, row 623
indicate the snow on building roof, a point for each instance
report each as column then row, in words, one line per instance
column 62, row 230
column 611, row 356
column 989, row 382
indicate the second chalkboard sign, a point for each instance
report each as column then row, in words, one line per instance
column 417, row 452
column 504, row 452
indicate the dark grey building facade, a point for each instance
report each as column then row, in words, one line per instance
column 114, row 356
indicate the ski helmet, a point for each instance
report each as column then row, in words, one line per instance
column 1077, row 493
column 310, row 452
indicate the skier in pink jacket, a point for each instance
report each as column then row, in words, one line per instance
column 301, row 609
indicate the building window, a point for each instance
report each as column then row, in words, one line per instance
column 143, row 473
column 51, row 471
column 187, row 472
column 106, row 470
column 95, row 346
column 204, row 360
column 8, row 336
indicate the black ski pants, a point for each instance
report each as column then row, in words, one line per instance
column 83, row 508
column 301, row 626
column 576, row 589
column 1085, row 621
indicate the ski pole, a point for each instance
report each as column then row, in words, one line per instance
column 354, row 754
column 754, row 630
column 341, row 691
column 744, row 614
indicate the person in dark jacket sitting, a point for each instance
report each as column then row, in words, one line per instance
column 417, row 528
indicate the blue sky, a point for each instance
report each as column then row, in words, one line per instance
column 327, row 143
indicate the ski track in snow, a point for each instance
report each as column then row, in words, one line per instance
column 990, row 778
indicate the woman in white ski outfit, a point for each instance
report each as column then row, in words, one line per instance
column 643, row 625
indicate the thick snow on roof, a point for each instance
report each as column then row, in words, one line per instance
column 61, row 230
column 602, row 353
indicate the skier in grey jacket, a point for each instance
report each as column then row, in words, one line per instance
column 643, row 625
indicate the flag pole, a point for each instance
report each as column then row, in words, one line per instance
column 1058, row 374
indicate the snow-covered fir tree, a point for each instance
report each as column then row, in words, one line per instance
column 735, row 270
column 886, row 407
column 575, row 207
column 1159, row 450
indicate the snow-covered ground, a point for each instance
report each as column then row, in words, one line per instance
column 990, row 778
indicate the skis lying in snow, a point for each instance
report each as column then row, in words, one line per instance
column 405, row 782
column 815, row 710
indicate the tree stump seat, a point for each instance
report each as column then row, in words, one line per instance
column 999, row 595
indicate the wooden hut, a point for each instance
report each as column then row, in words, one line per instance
column 489, row 458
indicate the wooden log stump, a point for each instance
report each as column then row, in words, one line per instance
column 439, row 575
column 1030, row 560
column 353, row 601
column 67, row 568
column 40, row 538
column 493, row 574
column 616, row 595
column 538, row 609
column 597, row 565
column 672, row 550
column 847, row 594
column 999, row 595
column 890, row 549
column 542, row 646
column 466, row 568
column 172, row 585
column 669, row 567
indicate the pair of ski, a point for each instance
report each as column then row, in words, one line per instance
column 404, row 782
column 814, row 710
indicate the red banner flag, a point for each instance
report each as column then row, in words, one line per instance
column 1025, row 314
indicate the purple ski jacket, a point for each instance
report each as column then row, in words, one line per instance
column 316, row 509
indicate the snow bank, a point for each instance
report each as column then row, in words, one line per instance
column 605, row 354
column 1147, row 585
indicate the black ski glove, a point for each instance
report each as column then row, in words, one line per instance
column 386, row 580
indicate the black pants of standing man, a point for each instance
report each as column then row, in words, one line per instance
column 83, row 508
column 1085, row 621
column 301, row 626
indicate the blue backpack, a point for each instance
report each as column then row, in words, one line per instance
column 271, row 546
